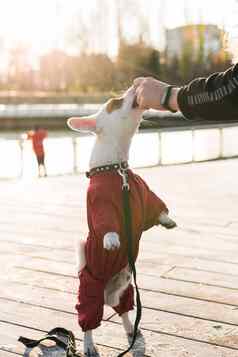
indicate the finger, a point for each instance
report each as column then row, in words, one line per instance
column 140, row 97
column 137, row 97
column 141, row 103
column 138, row 81
column 138, row 92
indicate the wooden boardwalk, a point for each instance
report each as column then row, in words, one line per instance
column 188, row 277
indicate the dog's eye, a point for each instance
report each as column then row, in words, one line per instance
column 114, row 104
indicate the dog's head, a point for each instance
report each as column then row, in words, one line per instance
column 119, row 117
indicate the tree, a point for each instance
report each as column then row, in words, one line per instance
column 20, row 73
column 136, row 60
column 94, row 73
column 55, row 71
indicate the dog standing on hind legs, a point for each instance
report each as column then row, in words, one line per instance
column 103, row 270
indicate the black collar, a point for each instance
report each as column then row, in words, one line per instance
column 111, row 167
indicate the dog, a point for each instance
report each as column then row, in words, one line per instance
column 104, row 275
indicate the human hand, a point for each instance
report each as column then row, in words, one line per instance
column 149, row 92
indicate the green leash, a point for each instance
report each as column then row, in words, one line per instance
column 128, row 231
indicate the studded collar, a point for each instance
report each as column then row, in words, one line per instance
column 107, row 168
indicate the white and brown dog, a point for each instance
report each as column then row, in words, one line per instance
column 103, row 263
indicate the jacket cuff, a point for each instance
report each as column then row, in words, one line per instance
column 183, row 104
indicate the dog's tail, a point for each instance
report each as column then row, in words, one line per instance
column 80, row 254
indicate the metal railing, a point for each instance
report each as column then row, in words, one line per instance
column 68, row 155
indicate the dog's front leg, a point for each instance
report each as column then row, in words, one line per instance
column 111, row 241
column 166, row 221
column 89, row 348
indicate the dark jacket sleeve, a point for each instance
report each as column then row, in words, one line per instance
column 212, row 98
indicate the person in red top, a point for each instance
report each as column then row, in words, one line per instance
column 37, row 136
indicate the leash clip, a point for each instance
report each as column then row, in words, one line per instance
column 123, row 173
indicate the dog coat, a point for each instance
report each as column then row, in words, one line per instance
column 105, row 214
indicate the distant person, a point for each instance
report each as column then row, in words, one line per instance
column 37, row 136
column 212, row 98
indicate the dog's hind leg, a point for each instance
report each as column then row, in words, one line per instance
column 129, row 328
column 80, row 255
column 89, row 348
column 127, row 323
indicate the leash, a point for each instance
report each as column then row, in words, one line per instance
column 128, row 230
column 63, row 338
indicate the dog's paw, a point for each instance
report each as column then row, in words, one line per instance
column 90, row 350
column 166, row 221
column 111, row 241
column 91, row 353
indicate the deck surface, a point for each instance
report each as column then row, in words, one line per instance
column 188, row 277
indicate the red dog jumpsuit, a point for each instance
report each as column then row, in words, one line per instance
column 105, row 214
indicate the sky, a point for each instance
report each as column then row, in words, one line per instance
column 47, row 24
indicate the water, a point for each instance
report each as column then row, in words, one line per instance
column 46, row 110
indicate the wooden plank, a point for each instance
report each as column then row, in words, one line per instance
column 150, row 252
column 187, row 327
column 192, row 238
column 67, row 269
column 50, row 239
column 227, row 280
column 203, row 277
column 229, row 228
column 146, row 264
column 28, row 223
column 156, row 343
column 61, row 301
column 35, row 230
column 190, row 307
column 45, row 298
column 9, row 334
column 188, row 289
column 147, row 282
column 173, row 242
column 42, row 277
column 4, row 353
column 54, row 267
column 14, row 250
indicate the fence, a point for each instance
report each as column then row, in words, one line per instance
column 67, row 155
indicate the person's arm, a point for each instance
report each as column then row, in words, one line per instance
column 212, row 98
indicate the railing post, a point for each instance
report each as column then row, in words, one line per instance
column 193, row 146
column 160, row 148
column 21, row 144
column 221, row 142
column 75, row 155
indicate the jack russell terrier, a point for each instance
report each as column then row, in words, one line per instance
column 103, row 259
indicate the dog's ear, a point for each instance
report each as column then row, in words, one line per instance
column 87, row 124
column 114, row 104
